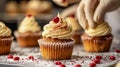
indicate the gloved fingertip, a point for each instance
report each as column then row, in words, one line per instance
column 96, row 18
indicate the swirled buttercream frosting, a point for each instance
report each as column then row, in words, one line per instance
column 4, row 30
column 101, row 30
column 29, row 25
column 75, row 25
column 58, row 28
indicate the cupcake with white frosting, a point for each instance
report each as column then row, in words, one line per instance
column 77, row 29
column 28, row 32
column 5, row 39
column 56, row 42
column 98, row 39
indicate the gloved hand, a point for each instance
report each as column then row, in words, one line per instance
column 89, row 12
column 65, row 3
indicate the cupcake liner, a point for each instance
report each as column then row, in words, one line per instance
column 27, row 39
column 77, row 37
column 56, row 50
column 5, row 45
column 97, row 44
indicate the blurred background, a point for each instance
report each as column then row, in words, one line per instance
column 12, row 12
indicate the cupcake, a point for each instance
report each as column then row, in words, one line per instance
column 5, row 39
column 12, row 8
column 36, row 7
column 98, row 39
column 56, row 42
column 28, row 32
column 77, row 29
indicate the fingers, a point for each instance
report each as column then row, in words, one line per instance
column 100, row 11
column 81, row 16
column 89, row 12
column 103, row 7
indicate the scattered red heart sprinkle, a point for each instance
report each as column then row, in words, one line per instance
column 92, row 64
column 31, row 57
column 10, row 56
column 97, row 61
column 77, row 65
column 58, row 63
column 99, row 57
column 62, row 65
column 112, row 57
column 29, row 15
column 55, row 19
column 117, row 51
column 16, row 58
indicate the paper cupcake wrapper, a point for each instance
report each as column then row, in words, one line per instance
column 56, row 51
column 27, row 40
column 5, row 45
column 96, row 44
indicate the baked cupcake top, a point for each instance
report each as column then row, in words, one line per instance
column 4, row 30
column 58, row 28
column 73, row 22
column 29, row 25
column 101, row 30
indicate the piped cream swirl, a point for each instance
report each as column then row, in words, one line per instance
column 73, row 22
column 60, row 30
column 4, row 30
column 101, row 30
column 29, row 25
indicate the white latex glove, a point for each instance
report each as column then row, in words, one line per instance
column 91, row 11
column 65, row 3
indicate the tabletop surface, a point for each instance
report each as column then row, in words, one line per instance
column 79, row 56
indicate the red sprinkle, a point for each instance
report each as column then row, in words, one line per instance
column 31, row 57
column 62, row 65
column 29, row 15
column 16, row 58
column 58, row 63
column 99, row 57
column 77, row 65
column 55, row 19
column 97, row 61
column 10, row 56
column 117, row 51
column 92, row 64
column 112, row 57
